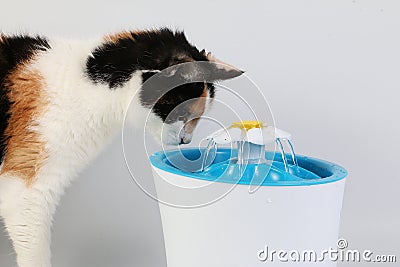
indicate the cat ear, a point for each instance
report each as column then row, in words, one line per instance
column 184, row 71
column 222, row 70
column 197, row 71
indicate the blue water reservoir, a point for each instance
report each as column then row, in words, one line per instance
column 225, row 169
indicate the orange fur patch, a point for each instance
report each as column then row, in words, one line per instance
column 25, row 150
column 197, row 109
column 114, row 38
column 2, row 38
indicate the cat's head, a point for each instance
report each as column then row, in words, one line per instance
column 175, row 111
column 177, row 85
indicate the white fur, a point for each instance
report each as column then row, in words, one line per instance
column 79, row 121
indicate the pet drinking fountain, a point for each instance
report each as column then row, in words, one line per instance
column 266, row 201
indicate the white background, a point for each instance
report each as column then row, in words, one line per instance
column 329, row 69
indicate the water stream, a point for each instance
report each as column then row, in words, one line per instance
column 283, row 155
column 211, row 145
column 293, row 154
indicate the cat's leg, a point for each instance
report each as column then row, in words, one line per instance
column 27, row 212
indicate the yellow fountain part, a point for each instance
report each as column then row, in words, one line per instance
column 247, row 125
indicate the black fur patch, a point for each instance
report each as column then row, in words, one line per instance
column 113, row 63
column 14, row 50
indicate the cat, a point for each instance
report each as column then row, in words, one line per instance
column 62, row 101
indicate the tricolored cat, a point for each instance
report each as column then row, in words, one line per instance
column 62, row 101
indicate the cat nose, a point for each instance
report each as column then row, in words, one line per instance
column 184, row 137
column 185, row 140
